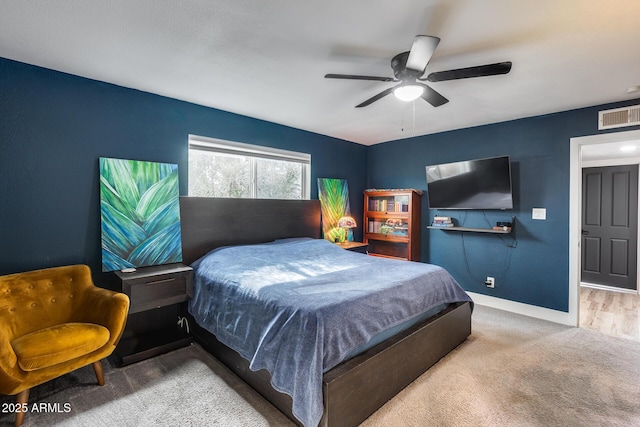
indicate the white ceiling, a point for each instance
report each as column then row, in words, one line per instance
column 267, row 59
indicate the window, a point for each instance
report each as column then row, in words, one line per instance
column 220, row 168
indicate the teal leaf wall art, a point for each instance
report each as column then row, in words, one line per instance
column 140, row 213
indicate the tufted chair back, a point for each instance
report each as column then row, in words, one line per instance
column 42, row 298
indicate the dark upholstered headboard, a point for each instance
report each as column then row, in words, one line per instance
column 208, row 223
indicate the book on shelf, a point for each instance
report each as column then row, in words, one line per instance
column 389, row 205
column 442, row 221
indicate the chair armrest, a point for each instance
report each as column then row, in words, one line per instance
column 106, row 308
column 8, row 365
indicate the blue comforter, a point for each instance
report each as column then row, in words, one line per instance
column 297, row 307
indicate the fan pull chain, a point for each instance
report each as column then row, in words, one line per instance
column 413, row 132
column 413, row 125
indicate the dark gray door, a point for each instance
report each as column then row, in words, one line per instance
column 610, row 225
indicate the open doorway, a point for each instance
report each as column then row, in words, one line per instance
column 599, row 306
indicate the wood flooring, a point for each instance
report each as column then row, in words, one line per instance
column 610, row 312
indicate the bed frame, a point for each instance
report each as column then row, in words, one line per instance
column 354, row 389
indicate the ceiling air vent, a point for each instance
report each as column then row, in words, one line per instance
column 619, row 117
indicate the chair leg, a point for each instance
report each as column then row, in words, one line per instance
column 23, row 396
column 22, row 399
column 97, row 368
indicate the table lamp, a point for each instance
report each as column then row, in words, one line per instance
column 345, row 223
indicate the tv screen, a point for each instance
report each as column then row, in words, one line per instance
column 471, row 184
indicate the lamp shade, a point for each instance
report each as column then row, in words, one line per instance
column 347, row 222
column 408, row 92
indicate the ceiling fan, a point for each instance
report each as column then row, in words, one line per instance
column 409, row 67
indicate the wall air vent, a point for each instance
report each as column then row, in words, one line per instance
column 619, row 117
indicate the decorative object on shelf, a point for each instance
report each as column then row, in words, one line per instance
column 140, row 214
column 346, row 223
column 334, row 203
column 503, row 225
column 395, row 226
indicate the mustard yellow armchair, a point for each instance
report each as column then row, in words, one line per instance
column 52, row 322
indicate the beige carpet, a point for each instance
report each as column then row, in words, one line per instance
column 519, row 371
column 512, row 371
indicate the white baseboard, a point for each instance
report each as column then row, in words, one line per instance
column 608, row 288
column 524, row 309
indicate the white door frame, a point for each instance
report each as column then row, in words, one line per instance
column 575, row 208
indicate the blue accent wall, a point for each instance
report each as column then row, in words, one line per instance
column 55, row 126
column 536, row 270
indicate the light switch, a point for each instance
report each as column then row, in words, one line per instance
column 539, row 213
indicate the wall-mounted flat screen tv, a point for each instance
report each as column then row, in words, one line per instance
column 470, row 184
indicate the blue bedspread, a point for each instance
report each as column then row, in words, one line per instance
column 296, row 307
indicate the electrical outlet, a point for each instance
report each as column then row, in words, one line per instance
column 490, row 282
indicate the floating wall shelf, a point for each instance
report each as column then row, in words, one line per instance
column 478, row 230
column 474, row 230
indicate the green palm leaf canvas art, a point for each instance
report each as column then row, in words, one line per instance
column 334, row 204
column 140, row 213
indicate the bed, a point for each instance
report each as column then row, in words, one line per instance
column 339, row 388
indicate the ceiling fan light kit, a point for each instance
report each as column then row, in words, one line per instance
column 408, row 92
column 409, row 68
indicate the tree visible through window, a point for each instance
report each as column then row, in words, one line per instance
column 278, row 179
column 230, row 169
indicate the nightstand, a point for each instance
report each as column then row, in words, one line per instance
column 354, row 246
column 152, row 327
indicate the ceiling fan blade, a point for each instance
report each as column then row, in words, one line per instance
column 377, row 97
column 352, row 77
column 465, row 73
column 432, row 97
column 421, row 52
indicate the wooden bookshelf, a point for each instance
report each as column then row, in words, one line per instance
column 392, row 223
